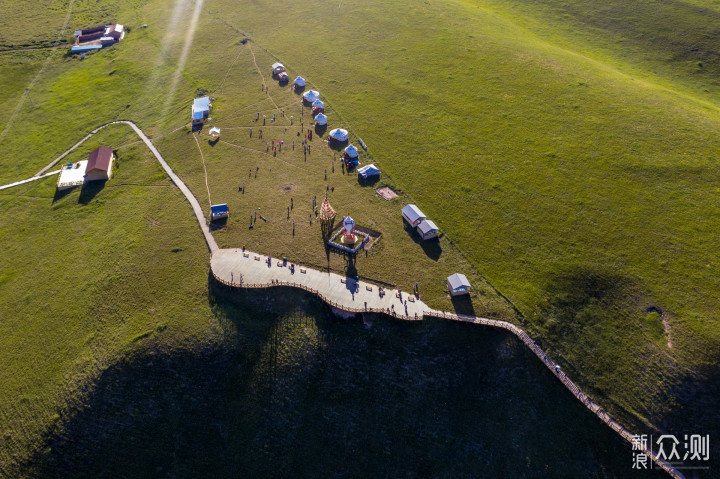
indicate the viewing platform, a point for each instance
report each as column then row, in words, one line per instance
column 245, row 269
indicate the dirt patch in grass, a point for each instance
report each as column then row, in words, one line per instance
column 287, row 187
column 386, row 193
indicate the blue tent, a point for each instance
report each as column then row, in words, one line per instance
column 368, row 171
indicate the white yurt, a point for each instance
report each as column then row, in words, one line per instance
column 311, row 95
column 351, row 151
column 318, row 104
column 299, row 82
column 321, row 120
column 338, row 134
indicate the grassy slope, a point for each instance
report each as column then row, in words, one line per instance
column 289, row 174
column 545, row 168
column 539, row 163
column 79, row 285
column 85, row 277
column 673, row 43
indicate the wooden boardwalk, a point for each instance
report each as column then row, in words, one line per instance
column 245, row 269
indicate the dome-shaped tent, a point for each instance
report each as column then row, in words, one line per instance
column 321, row 120
column 311, row 95
column 299, row 82
column 318, row 104
column 338, row 134
column 351, row 151
column 326, row 211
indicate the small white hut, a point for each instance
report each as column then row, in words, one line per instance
column 277, row 68
column 427, row 230
column 339, row 135
column 351, row 151
column 311, row 95
column 321, row 120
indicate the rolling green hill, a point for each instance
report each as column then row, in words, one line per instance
column 567, row 150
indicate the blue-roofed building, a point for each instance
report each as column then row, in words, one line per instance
column 367, row 171
column 85, row 48
column 218, row 212
column 200, row 110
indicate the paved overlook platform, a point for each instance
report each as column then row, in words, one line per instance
column 246, row 269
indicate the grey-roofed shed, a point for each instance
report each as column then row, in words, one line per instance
column 413, row 215
column 458, row 284
column 428, row 229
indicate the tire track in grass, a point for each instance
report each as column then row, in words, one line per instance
column 26, row 93
column 204, row 168
column 227, row 72
column 262, row 76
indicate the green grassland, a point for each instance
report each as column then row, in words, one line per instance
column 557, row 175
column 576, row 177
column 78, row 286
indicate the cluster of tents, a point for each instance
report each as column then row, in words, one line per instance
column 338, row 135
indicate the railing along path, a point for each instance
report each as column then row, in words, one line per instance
column 252, row 265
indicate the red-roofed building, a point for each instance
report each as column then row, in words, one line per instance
column 99, row 165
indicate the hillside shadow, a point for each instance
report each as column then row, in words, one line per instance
column 695, row 398
column 90, row 190
column 275, row 390
column 430, row 247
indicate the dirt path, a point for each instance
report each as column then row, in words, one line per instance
column 204, row 167
column 262, row 76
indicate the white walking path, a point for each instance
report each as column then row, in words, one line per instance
column 32, row 178
column 212, row 245
column 245, row 269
